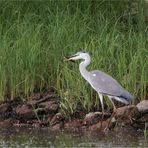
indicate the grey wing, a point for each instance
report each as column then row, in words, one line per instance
column 105, row 84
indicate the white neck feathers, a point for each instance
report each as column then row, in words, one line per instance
column 82, row 67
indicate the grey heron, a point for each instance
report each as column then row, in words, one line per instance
column 101, row 82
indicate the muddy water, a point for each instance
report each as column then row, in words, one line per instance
column 24, row 137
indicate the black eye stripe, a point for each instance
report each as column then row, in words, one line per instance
column 82, row 51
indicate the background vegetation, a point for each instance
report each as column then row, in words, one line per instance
column 35, row 36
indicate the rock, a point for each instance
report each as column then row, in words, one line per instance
column 32, row 102
column 5, row 107
column 94, row 117
column 37, row 123
column 50, row 106
column 91, row 118
column 8, row 122
column 50, row 96
column 107, row 124
column 57, row 126
column 56, row 119
column 43, row 124
column 143, row 106
column 25, row 112
column 75, row 123
column 96, row 126
column 127, row 113
column 36, row 96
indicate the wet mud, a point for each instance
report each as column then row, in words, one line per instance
column 43, row 110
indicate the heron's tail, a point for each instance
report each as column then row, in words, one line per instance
column 127, row 96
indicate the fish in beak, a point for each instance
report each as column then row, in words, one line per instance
column 69, row 58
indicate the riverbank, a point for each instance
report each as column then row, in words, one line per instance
column 43, row 110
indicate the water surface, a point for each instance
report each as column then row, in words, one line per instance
column 44, row 137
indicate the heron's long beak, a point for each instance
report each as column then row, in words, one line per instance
column 69, row 58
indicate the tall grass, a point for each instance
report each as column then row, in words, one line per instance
column 34, row 37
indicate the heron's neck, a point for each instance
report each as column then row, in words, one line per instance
column 82, row 67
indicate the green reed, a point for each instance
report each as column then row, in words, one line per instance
column 34, row 38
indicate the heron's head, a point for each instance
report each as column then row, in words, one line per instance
column 77, row 56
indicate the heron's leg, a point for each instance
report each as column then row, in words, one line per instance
column 102, row 105
column 101, row 101
column 114, row 111
column 114, row 107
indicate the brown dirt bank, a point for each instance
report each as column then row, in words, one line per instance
column 43, row 109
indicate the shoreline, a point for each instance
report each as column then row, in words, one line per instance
column 43, row 110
